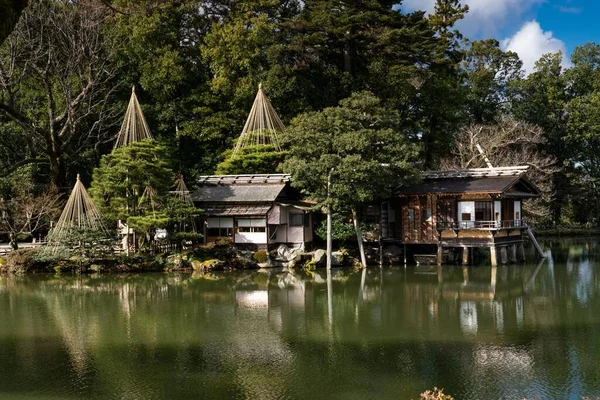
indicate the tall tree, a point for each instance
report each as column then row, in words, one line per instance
column 56, row 81
column 442, row 92
column 360, row 145
column 541, row 99
column 489, row 72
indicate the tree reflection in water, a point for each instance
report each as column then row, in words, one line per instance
column 513, row 331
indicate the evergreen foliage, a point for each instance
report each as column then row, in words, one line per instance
column 66, row 70
column 120, row 182
column 256, row 159
column 361, row 141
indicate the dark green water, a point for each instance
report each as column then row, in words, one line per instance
column 382, row 333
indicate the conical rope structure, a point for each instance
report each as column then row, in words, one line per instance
column 149, row 198
column 262, row 124
column 134, row 127
column 80, row 214
column 182, row 193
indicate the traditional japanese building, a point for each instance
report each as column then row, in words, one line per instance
column 254, row 211
column 462, row 209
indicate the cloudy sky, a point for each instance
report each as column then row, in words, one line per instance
column 528, row 27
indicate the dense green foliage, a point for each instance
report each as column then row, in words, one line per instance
column 256, row 159
column 196, row 65
column 359, row 143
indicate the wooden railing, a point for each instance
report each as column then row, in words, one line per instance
column 488, row 225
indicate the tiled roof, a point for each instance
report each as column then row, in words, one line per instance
column 235, row 210
column 243, row 179
column 462, row 185
column 476, row 172
column 237, row 193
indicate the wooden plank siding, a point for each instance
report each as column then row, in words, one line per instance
column 419, row 219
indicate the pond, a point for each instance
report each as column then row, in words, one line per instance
column 529, row 330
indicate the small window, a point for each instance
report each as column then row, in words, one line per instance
column 296, row 219
column 465, row 216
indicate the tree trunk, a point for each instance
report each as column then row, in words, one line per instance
column 329, row 244
column 13, row 242
column 58, row 172
column 361, row 248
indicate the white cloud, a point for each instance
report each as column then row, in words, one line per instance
column 531, row 42
column 485, row 17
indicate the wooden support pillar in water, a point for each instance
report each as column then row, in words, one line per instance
column 404, row 254
column 493, row 257
column 440, row 254
column 493, row 281
column 503, row 255
column 522, row 252
column 465, row 256
column 513, row 253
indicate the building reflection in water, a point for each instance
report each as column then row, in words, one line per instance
column 269, row 333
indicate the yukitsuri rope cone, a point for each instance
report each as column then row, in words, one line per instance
column 183, row 194
column 134, row 127
column 262, row 124
column 80, row 213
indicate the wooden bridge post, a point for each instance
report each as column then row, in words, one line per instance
column 513, row 253
column 522, row 252
column 493, row 257
column 503, row 255
column 465, row 256
column 440, row 254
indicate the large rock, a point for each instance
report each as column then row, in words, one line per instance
column 320, row 258
column 287, row 254
column 337, row 259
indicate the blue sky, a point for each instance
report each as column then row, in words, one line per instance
column 529, row 27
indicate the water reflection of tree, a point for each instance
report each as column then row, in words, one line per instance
column 267, row 334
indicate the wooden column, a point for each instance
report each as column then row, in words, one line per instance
column 503, row 255
column 513, row 253
column 493, row 257
column 440, row 254
column 521, row 252
column 493, row 281
column 465, row 256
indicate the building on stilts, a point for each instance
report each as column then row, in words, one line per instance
column 452, row 212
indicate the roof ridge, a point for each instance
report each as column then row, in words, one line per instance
column 477, row 172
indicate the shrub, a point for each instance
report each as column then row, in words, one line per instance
column 261, row 256
column 19, row 261
column 435, row 394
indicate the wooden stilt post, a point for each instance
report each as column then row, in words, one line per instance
column 440, row 254
column 513, row 253
column 465, row 256
column 493, row 257
column 493, row 281
column 503, row 255
column 404, row 253
column 522, row 252
column 465, row 271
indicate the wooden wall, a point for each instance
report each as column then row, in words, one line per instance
column 419, row 215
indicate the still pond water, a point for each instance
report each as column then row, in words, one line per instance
column 384, row 333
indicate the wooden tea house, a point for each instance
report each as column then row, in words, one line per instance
column 460, row 210
column 254, row 211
